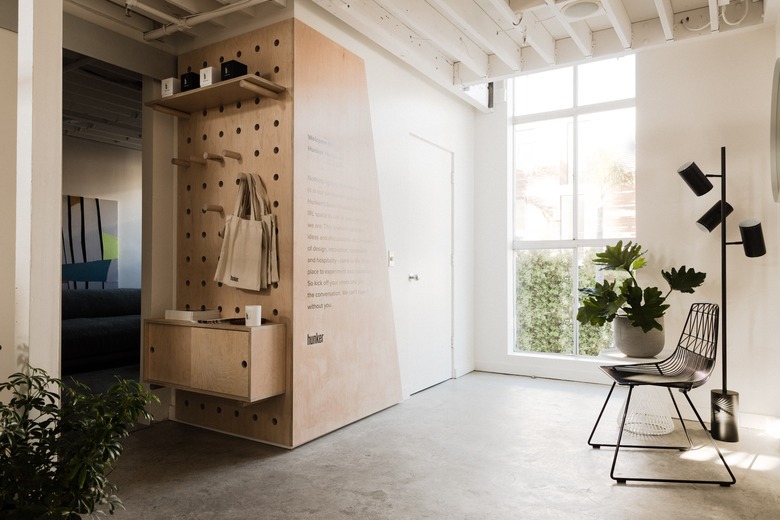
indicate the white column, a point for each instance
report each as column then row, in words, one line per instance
column 39, row 184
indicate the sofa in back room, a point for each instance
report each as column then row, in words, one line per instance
column 101, row 328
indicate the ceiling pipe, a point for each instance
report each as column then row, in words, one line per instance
column 151, row 11
column 180, row 24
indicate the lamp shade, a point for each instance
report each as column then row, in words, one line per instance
column 694, row 178
column 710, row 220
column 752, row 238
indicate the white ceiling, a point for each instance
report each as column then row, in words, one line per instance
column 460, row 44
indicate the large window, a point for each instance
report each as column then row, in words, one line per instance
column 574, row 187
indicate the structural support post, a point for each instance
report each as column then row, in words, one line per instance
column 39, row 185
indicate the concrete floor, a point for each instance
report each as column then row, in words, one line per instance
column 485, row 446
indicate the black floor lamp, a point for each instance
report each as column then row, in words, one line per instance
column 724, row 403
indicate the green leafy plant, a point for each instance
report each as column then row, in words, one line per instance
column 54, row 456
column 603, row 302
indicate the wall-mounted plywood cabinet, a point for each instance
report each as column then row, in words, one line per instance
column 300, row 120
column 243, row 363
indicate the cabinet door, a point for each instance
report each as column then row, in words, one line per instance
column 220, row 361
column 167, row 354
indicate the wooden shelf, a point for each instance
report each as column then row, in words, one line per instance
column 222, row 93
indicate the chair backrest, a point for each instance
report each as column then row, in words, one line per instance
column 695, row 354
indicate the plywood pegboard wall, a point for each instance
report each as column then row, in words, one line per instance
column 260, row 130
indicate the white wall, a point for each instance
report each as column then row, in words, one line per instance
column 102, row 171
column 7, row 201
column 402, row 102
column 692, row 99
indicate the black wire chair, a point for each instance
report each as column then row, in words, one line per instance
column 689, row 366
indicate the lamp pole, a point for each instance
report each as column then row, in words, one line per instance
column 724, row 405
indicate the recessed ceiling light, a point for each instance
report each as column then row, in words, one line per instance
column 580, row 9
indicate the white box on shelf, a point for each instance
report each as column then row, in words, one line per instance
column 209, row 76
column 170, row 86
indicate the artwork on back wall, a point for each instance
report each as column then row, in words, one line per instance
column 90, row 247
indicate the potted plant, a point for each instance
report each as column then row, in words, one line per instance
column 641, row 309
column 57, row 444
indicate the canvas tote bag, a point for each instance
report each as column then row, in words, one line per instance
column 248, row 259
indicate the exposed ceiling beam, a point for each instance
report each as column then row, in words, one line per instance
column 618, row 17
column 666, row 16
column 579, row 31
column 469, row 18
column 714, row 18
column 384, row 29
column 428, row 23
column 538, row 38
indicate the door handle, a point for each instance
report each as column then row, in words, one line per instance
column 414, row 278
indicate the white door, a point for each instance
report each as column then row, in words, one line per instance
column 421, row 277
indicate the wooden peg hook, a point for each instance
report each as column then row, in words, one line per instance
column 213, row 207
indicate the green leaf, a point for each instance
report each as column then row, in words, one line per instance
column 645, row 307
column 683, row 280
column 618, row 257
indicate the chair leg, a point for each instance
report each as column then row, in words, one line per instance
column 598, row 420
column 679, row 416
column 623, row 480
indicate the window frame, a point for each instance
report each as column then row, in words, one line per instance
column 575, row 243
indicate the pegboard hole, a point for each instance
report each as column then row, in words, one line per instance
column 203, row 259
column 274, row 421
column 221, row 108
column 254, row 417
column 276, row 69
column 276, row 285
column 276, row 176
column 276, row 149
column 238, row 54
column 189, row 140
column 238, row 181
column 238, row 105
column 188, row 234
column 202, row 406
column 186, row 402
column 276, row 43
column 238, row 130
column 203, row 234
column 205, row 113
column 276, row 122
column 219, row 308
column 189, row 69
column 219, row 409
column 189, row 211
column 221, row 59
column 187, row 307
column 203, row 284
column 221, row 133
column 221, row 184
column 189, row 187
column 151, row 349
column 257, row 126
column 187, row 259
column 238, row 310
column 235, row 413
column 276, row 203
column 257, row 99
column 257, row 48
column 205, row 64
column 203, row 185
column 203, row 307
column 257, row 153
column 276, row 312
column 243, row 364
column 187, row 283
column 205, row 137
